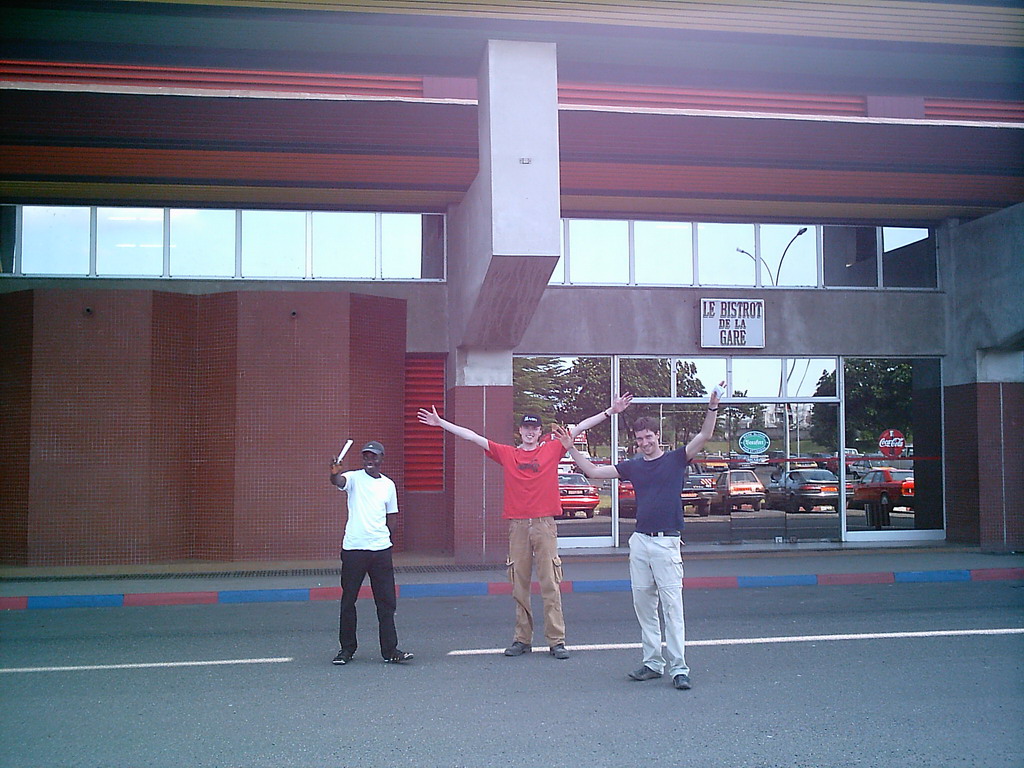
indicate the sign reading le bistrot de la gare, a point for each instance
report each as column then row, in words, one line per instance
column 732, row 323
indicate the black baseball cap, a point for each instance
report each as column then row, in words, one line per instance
column 530, row 420
column 374, row 447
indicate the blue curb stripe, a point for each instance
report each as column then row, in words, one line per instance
column 76, row 601
column 608, row 585
column 458, row 589
column 263, row 595
column 796, row 580
column 918, row 576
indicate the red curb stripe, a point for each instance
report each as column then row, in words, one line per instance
column 995, row 574
column 499, row 588
column 13, row 603
column 170, row 598
column 710, row 582
column 325, row 593
column 856, row 578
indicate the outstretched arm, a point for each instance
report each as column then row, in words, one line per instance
column 618, row 405
column 336, row 475
column 589, row 468
column 431, row 418
column 707, row 429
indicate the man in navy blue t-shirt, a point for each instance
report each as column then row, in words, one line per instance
column 655, row 559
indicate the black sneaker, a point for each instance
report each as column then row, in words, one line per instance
column 644, row 673
column 398, row 657
column 517, row 649
column 682, row 682
column 559, row 651
column 343, row 657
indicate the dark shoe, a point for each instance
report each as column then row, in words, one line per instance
column 343, row 657
column 644, row 673
column 559, row 651
column 517, row 649
column 682, row 682
column 398, row 657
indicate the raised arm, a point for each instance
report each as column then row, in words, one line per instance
column 696, row 445
column 618, row 405
column 336, row 475
column 589, row 468
column 430, row 418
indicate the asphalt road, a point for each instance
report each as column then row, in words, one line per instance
column 945, row 700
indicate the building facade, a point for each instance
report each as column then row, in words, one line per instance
column 235, row 234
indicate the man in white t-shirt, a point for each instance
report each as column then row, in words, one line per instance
column 366, row 549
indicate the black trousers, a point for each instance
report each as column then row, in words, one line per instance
column 355, row 565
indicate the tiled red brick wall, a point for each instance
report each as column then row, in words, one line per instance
column 167, row 426
column 985, row 465
column 15, row 424
column 475, row 488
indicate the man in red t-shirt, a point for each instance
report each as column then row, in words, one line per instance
column 531, row 503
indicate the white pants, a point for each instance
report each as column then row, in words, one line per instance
column 656, row 576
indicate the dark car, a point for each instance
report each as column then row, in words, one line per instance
column 805, row 489
column 576, row 494
column 737, row 488
column 887, row 487
column 699, row 489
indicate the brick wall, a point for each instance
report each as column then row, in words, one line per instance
column 143, row 426
column 961, row 440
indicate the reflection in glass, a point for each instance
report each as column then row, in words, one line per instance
column 344, row 245
column 662, row 253
column 645, row 376
column 805, row 374
column 789, row 255
column 724, row 253
column 54, row 240
column 598, row 251
column 130, row 241
column 202, row 243
column 850, row 256
column 273, row 244
column 756, row 377
column 401, row 244
column 698, row 376
column 908, row 258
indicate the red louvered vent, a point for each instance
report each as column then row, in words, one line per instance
column 424, row 446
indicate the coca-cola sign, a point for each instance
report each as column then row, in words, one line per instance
column 891, row 443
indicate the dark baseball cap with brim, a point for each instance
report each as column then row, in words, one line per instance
column 530, row 420
column 374, row 447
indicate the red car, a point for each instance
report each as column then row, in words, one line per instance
column 887, row 487
column 576, row 494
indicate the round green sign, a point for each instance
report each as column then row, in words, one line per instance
column 754, row 442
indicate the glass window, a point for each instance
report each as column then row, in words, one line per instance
column 202, row 243
column 273, row 244
column 130, row 241
column 756, row 377
column 401, row 244
column 850, row 256
column 804, row 375
column 344, row 245
column 598, row 251
column 432, row 260
column 645, row 376
column 789, row 255
column 54, row 240
column 662, row 253
column 725, row 254
column 908, row 258
column 698, row 376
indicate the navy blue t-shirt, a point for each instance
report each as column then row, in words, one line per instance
column 657, row 485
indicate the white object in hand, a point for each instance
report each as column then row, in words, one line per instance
column 718, row 390
column 348, row 444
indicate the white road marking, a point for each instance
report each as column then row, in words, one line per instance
column 772, row 640
column 152, row 665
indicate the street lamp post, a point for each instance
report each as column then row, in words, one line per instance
column 778, row 272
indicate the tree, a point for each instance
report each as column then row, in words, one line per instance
column 879, row 395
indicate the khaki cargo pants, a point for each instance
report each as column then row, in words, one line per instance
column 534, row 541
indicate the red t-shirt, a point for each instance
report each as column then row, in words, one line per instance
column 531, row 478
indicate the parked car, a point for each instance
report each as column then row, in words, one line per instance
column 699, row 489
column 736, row 488
column 627, row 499
column 805, row 489
column 576, row 494
column 887, row 487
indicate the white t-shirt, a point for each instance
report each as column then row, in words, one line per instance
column 370, row 500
